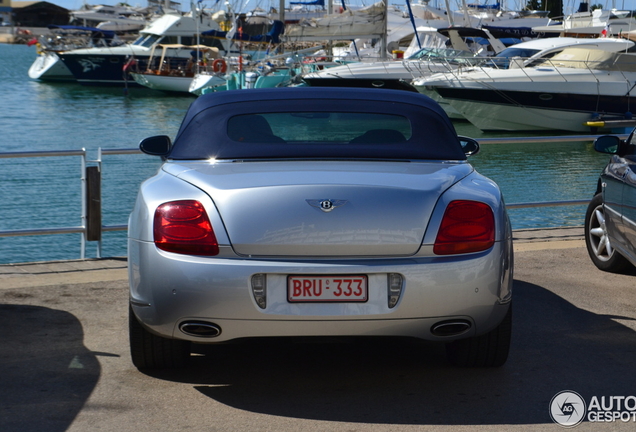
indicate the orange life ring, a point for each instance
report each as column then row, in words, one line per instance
column 219, row 65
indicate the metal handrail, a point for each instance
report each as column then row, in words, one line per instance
column 547, row 204
column 43, row 231
column 49, row 153
column 82, row 229
column 528, row 140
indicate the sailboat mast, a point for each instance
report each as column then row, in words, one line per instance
column 451, row 20
column 383, row 53
column 281, row 11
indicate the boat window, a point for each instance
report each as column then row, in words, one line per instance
column 140, row 39
column 320, row 127
column 188, row 40
column 542, row 60
column 502, row 60
column 446, row 55
column 150, row 41
column 517, row 52
column 170, row 40
column 211, row 42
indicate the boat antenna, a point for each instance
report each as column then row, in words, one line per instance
column 417, row 36
column 196, row 10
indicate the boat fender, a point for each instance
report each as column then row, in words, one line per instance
column 219, row 65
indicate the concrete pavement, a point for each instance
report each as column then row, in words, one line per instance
column 65, row 362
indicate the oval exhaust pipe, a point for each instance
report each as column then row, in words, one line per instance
column 200, row 329
column 450, row 328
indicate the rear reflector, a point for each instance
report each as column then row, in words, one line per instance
column 259, row 289
column 467, row 226
column 184, row 227
column 395, row 282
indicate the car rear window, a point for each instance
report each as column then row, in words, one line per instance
column 319, row 127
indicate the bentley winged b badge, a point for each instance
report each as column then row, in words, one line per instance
column 326, row 205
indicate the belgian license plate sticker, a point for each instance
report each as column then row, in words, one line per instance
column 347, row 288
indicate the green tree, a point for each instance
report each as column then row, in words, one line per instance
column 554, row 6
column 534, row 5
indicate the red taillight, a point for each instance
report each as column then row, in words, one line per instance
column 184, row 227
column 467, row 226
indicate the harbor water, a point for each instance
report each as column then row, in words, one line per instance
column 46, row 192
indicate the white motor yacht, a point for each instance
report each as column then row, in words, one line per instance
column 579, row 84
column 106, row 65
column 47, row 66
column 435, row 57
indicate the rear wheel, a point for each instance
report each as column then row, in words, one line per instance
column 149, row 351
column 488, row 350
column 597, row 240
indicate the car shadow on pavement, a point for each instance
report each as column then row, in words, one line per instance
column 556, row 347
column 47, row 372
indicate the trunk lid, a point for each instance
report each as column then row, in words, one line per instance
column 323, row 208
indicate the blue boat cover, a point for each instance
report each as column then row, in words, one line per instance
column 515, row 32
column 272, row 36
column 496, row 6
column 311, row 3
column 107, row 33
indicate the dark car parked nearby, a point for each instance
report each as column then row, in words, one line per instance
column 610, row 220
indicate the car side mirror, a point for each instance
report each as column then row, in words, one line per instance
column 609, row 144
column 159, row 145
column 469, row 145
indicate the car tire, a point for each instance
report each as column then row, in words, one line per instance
column 603, row 255
column 149, row 351
column 488, row 350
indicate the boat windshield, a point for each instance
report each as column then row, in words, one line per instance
column 502, row 60
column 446, row 54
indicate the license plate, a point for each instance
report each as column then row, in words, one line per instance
column 341, row 288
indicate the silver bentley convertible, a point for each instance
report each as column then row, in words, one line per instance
column 301, row 212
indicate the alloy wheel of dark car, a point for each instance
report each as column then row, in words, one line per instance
column 603, row 255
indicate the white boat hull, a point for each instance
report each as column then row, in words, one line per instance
column 451, row 111
column 508, row 103
column 48, row 67
column 488, row 117
column 201, row 82
column 179, row 84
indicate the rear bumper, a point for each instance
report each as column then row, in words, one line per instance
column 420, row 328
column 169, row 289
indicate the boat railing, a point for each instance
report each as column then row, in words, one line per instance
column 91, row 228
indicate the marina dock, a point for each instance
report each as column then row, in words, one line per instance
column 66, row 366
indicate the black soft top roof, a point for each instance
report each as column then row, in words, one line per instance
column 203, row 132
